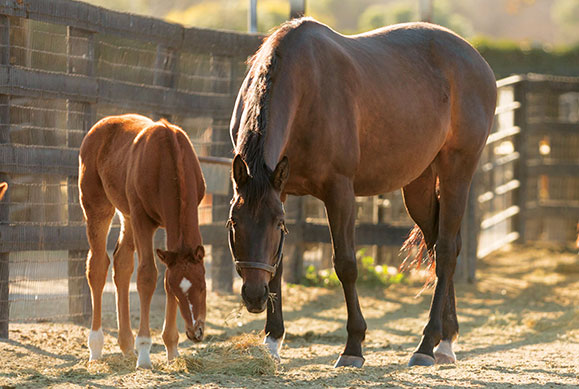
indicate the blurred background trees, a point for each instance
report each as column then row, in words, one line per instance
column 515, row 36
column 551, row 22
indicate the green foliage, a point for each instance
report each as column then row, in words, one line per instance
column 369, row 274
column 508, row 57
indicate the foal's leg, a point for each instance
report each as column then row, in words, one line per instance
column 143, row 229
column 274, row 327
column 170, row 332
column 340, row 206
column 123, row 265
column 99, row 213
column 455, row 173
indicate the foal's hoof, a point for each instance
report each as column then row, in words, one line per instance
column 443, row 353
column 419, row 359
column 349, row 361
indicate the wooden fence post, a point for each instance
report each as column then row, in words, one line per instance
column 521, row 172
column 4, row 210
column 293, row 267
column 80, row 60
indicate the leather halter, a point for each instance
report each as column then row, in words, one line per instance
column 242, row 264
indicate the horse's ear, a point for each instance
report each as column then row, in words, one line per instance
column 280, row 174
column 167, row 257
column 3, row 187
column 239, row 170
column 199, row 253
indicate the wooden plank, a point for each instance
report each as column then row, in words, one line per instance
column 500, row 135
column 225, row 43
column 499, row 217
column 92, row 18
column 38, row 160
column 366, row 234
column 509, row 238
column 487, row 167
column 559, row 209
column 20, row 81
column 548, row 127
column 550, row 167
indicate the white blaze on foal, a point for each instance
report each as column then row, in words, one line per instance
column 96, row 341
column 143, row 345
column 185, row 285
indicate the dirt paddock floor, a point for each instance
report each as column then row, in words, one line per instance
column 519, row 328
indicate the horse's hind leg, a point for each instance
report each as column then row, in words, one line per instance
column 455, row 170
column 123, row 265
column 341, row 210
column 143, row 229
column 98, row 212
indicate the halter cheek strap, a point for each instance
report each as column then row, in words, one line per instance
column 242, row 264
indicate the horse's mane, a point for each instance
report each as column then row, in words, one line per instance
column 251, row 139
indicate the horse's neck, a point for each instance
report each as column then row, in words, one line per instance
column 184, row 234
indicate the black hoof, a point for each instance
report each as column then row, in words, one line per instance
column 419, row 359
column 349, row 361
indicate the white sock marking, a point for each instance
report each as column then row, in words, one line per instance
column 96, row 341
column 274, row 345
column 185, row 285
column 143, row 345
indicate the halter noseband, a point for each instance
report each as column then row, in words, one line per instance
column 257, row 265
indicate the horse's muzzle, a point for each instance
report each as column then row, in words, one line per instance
column 196, row 334
column 255, row 296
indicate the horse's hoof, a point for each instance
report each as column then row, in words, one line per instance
column 419, row 359
column 274, row 346
column 443, row 353
column 349, row 361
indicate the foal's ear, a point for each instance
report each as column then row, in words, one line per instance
column 199, row 254
column 239, row 170
column 167, row 257
column 280, row 174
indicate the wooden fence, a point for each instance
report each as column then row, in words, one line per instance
column 66, row 64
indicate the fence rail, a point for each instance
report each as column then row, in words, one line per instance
column 65, row 64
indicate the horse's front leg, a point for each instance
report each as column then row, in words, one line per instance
column 170, row 332
column 146, row 282
column 340, row 207
column 274, row 328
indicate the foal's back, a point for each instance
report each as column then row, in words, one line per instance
column 134, row 159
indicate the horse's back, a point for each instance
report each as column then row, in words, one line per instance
column 401, row 95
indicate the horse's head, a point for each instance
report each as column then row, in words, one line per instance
column 257, row 229
column 185, row 279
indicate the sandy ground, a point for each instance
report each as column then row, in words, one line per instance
column 519, row 328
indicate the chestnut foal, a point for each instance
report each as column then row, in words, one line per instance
column 150, row 173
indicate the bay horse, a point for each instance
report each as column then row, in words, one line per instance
column 149, row 172
column 407, row 106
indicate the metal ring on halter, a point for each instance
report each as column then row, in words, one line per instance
column 257, row 265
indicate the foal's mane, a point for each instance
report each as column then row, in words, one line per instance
column 251, row 139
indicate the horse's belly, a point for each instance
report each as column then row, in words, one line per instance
column 387, row 166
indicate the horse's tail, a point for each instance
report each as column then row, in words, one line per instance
column 417, row 255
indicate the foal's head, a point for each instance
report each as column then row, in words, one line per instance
column 185, row 279
column 257, row 229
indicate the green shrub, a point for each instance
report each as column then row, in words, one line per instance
column 369, row 274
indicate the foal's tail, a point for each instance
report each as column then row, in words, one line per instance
column 417, row 255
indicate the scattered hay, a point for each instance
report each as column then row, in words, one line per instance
column 115, row 363
column 242, row 355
